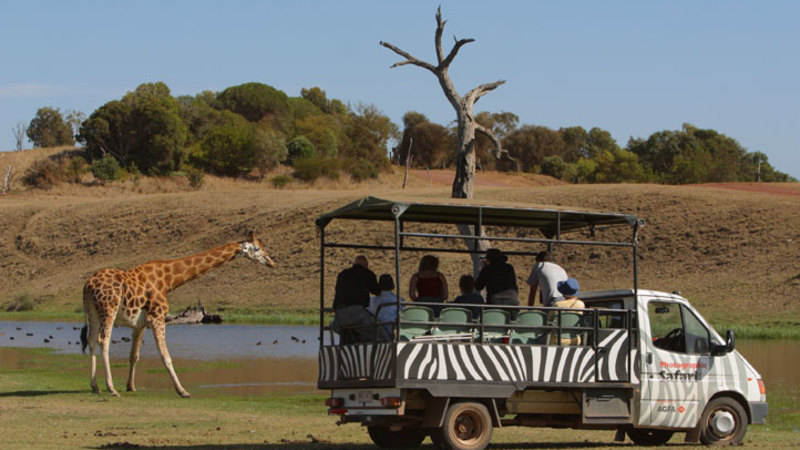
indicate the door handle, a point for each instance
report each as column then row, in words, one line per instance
column 649, row 358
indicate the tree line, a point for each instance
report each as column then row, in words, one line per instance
column 573, row 154
column 249, row 129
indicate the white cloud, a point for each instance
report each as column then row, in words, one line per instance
column 29, row 90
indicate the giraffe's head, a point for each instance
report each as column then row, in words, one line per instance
column 252, row 249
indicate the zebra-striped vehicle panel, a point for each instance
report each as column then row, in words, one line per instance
column 500, row 363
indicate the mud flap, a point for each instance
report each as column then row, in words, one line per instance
column 434, row 412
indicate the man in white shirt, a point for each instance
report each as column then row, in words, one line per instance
column 545, row 275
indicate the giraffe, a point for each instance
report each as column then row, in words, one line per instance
column 137, row 299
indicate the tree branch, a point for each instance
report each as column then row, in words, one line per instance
column 473, row 95
column 409, row 59
column 452, row 55
column 499, row 151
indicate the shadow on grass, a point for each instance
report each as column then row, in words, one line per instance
column 305, row 445
column 37, row 393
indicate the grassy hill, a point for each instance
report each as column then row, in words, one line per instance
column 733, row 250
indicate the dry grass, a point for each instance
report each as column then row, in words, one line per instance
column 734, row 253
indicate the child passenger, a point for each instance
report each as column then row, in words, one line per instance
column 387, row 312
column 469, row 296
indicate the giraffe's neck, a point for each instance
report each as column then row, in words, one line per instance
column 179, row 271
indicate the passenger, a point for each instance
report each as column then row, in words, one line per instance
column 545, row 275
column 569, row 289
column 353, row 286
column 468, row 295
column 428, row 284
column 387, row 313
column 499, row 279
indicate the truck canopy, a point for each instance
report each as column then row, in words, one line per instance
column 551, row 222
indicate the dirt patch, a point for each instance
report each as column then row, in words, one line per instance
column 790, row 189
column 441, row 177
column 734, row 251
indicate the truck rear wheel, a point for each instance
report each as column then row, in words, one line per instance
column 724, row 422
column 467, row 426
column 649, row 436
column 383, row 437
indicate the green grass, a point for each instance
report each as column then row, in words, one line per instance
column 45, row 403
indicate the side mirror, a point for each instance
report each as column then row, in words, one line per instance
column 730, row 341
column 727, row 347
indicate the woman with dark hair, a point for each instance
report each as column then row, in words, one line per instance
column 499, row 279
column 428, row 284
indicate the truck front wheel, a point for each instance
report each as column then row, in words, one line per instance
column 384, row 437
column 724, row 422
column 467, row 426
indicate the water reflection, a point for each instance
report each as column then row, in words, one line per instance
column 198, row 342
column 251, row 359
column 240, row 359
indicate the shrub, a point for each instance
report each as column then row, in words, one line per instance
column 361, row 169
column 309, row 169
column 196, row 177
column 553, row 166
column 106, row 168
column 300, row 148
column 22, row 302
column 280, row 181
column 43, row 174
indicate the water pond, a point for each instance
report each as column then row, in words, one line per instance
column 254, row 359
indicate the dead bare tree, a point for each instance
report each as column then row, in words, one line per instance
column 409, row 157
column 19, row 131
column 465, row 120
column 464, row 106
column 7, row 181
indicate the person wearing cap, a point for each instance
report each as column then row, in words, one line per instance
column 569, row 288
column 499, row 279
column 384, row 306
column 545, row 276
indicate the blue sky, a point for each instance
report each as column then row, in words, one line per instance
column 630, row 67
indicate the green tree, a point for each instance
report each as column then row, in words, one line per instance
column 270, row 150
column 429, row 142
column 325, row 131
column 49, row 129
column 258, row 102
column 530, row 144
column 319, row 98
column 368, row 132
column 299, row 148
column 575, row 143
column 617, row 166
column 502, row 124
column 109, row 130
column 199, row 115
column 231, row 148
column 143, row 129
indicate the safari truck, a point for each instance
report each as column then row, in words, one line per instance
column 647, row 364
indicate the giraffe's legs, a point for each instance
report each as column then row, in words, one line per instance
column 93, row 333
column 105, row 341
column 136, row 341
column 161, row 343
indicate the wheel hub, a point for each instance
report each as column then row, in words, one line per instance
column 723, row 423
